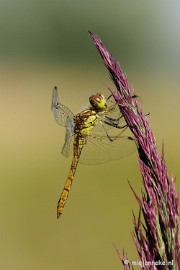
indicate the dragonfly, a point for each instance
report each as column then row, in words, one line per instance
column 88, row 137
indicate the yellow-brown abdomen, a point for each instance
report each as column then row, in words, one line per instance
column 64, row 196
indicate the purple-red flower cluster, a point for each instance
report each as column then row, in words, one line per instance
column 156, row 238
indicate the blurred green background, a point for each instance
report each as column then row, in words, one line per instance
column 45, row 43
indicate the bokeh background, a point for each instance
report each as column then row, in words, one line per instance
column 45, row 43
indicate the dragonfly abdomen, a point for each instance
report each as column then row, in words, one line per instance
column 78, row 145
column 67, row 187
column 64, row 196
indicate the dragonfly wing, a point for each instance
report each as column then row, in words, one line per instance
column 99, row 149
column 68, row 145
column 63, row 116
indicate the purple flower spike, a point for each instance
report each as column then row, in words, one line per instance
column 157, row 238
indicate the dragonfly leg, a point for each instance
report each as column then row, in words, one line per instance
column 114, row 119
column 113, row 124
column 107, row 134
column 109, row 97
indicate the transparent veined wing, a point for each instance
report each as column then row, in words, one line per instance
column 63, row 116
column 99, row 149
column 68, row 145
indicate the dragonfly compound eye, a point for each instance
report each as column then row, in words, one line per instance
column 98, row 102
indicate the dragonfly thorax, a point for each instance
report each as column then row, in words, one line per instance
column 85, row 122
column 98, row 102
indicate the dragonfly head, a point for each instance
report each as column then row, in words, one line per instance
column 98, row 102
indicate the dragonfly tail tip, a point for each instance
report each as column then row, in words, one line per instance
column 58, row 215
